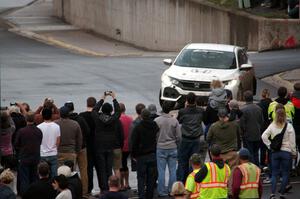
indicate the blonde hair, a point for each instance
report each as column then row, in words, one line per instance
column 216, row 84
column 7, row 176
column 280, row 117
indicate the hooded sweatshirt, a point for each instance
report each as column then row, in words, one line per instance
column 143, row 138
column 217, row 98
column 225, row 134
column 106, row 127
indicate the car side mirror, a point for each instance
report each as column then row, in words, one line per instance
column 246, row 66
column 168, row 62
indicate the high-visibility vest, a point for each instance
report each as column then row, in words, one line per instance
column 214, row 184
column 196, row 191
column 250, row 181
column 288, row 107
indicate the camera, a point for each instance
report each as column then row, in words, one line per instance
column 13, row 104
column 107, row 93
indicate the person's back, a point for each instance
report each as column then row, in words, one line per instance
column 50, row 132
column 70, row 136
column 296, row 102
column 213, row 176
column 169, row 132
column 28, row 143
column 190, row 119
column 40, row 188
column 105, row 124
column 75, row 186
column 225, row 134
column 144, row 138
column 282, row 99
column 251, row 122
column 114, row 187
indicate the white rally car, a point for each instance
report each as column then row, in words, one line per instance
column 198, row 64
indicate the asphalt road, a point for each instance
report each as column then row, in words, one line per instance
column 31, row 71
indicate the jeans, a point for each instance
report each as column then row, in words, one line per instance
column 166, row 157
column 146, row 166
column 185, row 150
column 104, row 161
column 281, row 161
column 52, row 161
column 82, row 164
column 253, row 147
column 27, row 174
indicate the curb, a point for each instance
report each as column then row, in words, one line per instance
column 55, row 42
column 78, row 50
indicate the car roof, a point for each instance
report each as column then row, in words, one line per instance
column 208, row 46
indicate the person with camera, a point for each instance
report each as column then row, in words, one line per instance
column 49, row 104
column 107, row 127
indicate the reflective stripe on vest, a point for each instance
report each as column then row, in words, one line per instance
column 196, row 192
column 250, row 182
column 214, row 184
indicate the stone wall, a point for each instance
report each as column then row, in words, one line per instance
column 168, row 25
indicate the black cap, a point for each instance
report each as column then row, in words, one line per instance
column 70, row 105
column 64, row 111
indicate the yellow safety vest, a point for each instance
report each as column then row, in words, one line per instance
column 288, row 107
column 214, row 184
column 250, row 181
column 196, row 191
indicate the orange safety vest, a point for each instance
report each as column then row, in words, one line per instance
column 214, row 184
column 250, row 182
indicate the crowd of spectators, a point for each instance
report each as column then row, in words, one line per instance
column 53, row 152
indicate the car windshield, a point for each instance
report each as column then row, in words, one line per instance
column 206, row 59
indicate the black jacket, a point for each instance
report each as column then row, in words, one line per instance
column 87, row 116
column 143, row 138
column 264, row 105
column 75, row 186
column 190, row 119
column 106, row 127
column 40, row 189
column 85, row 129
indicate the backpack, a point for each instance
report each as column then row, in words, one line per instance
column 276, row 142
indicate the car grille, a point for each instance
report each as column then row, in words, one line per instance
column 194, row 85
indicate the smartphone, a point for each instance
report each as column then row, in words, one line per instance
column 107, row 93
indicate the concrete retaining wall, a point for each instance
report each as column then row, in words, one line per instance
column 168, row 25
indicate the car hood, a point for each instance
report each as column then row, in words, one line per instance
column 203, row 74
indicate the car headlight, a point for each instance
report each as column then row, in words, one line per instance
column 169, row 80
column 229, row 82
